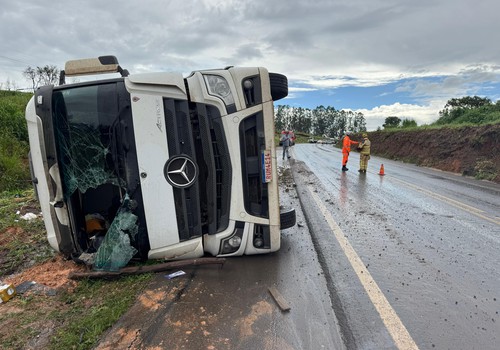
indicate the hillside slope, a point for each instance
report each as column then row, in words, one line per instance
column 471, row 151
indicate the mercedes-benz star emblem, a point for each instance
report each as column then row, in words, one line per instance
column 180, row 171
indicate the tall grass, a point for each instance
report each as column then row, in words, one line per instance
column 14, row 166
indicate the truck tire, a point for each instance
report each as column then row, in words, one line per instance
column 287, row 218
column 279, row 86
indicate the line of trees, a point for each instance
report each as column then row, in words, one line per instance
column 396, row 122
column 39, row 76
column 319, row 121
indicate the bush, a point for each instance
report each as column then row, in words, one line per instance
column 485, row 170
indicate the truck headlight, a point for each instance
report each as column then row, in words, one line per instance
column 218, row 86
column 232, row 243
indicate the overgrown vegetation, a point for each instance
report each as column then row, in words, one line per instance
column 14, row 166
column 469, row 110
column 485, row 170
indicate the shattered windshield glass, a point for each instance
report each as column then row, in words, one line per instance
column 115, row 251
column 84, row 118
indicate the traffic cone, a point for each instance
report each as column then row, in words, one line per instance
column 381, row 172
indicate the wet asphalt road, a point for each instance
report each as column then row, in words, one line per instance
column 412, row 257
column 231, row 307
column 401, row 261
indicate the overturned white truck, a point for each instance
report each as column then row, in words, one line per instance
column 157, row 165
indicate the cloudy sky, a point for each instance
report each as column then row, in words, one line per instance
column 383, row 58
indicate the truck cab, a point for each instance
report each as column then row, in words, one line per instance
column 158, row 165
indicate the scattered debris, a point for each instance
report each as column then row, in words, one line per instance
column 7, row 292
column 175, row 274
column 29, row 216
column 31, row 287
column 282, row 303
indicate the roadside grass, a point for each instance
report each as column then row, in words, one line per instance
column 95, row 306
column 23, row 243
column 73, row 318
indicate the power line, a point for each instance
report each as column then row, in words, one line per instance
column 14, row 60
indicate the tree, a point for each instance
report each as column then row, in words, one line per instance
column 467, row 102
column 391, row 122
column 456, row 108
column 47, row 75
column 30, row 74
column 10, row 85
column 359, row 122
column 279, row 118
column 409, row 123
column 319, row 121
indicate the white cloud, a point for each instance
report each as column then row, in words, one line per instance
column 427, row 114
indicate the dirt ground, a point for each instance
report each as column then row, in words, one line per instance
column 470, row 151
column 52, row 274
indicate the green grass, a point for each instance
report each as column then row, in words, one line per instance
column 76, row 319
column 84, row 324
column 24, row 242
column 79, row 317
column 13, row 141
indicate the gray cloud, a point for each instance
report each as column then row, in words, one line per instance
column 321, row 44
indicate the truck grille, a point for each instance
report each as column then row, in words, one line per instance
column 180, row 141
column 252, row 144
column 196, row 130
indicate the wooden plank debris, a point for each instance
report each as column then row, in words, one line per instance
column 135, row 270
column 282, row 303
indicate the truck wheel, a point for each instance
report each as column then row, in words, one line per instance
column 279, row 86
column 287, row 218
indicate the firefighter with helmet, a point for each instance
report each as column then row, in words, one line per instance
column 346, row 149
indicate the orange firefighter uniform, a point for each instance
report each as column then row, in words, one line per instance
column 346, row 148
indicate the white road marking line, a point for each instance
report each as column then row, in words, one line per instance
column 395, row 327
column 452, row 202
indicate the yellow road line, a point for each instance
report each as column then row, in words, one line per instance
column 395, row 327
column 452, row 202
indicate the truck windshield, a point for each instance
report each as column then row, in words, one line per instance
column 83, row 119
